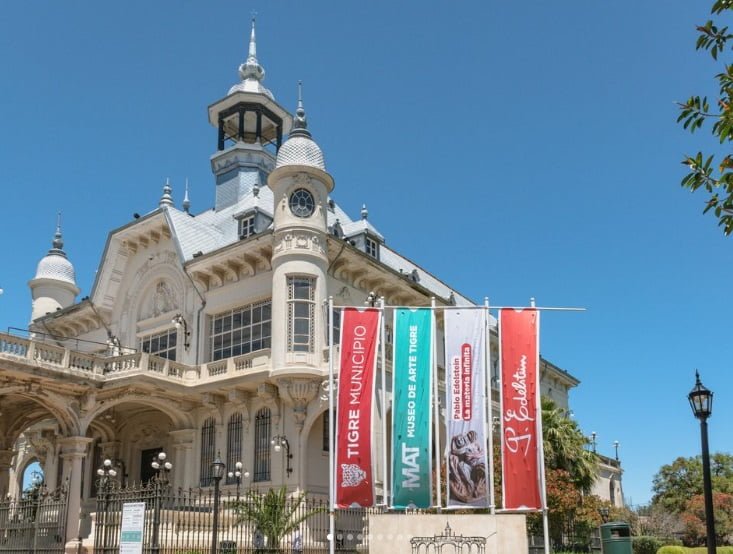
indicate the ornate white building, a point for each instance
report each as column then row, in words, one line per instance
column 207, row 333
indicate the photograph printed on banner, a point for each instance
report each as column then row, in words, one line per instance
column 466, row 455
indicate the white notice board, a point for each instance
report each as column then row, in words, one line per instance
column 131, row 532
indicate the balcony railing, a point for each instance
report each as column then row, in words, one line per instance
column 54, row 357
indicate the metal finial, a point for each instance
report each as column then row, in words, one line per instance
column 253, row 41
column 300, row 123
column 58, row 241
column 251, row 69
column 186, row 201
column 364, row 211
column 166, row 199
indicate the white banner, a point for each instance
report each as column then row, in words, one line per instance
column 467, row 459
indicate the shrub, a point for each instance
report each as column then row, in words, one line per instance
column 646, row 545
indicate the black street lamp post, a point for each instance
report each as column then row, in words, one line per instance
column 237, row 475
column 278, row 442
column 217, row 472
column 701, row 401
column 106, row 474
column 162, row 468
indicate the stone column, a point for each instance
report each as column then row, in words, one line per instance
column 73, row 452
column 182, row 442
column 51, row 468
column 6, row 458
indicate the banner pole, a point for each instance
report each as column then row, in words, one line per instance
column 382, row 350
column 488, row 421
column 436, row 407
column 541, row 444
column 331, row 437
column 501, row 410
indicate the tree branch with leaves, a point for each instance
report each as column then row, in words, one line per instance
column 715, row 178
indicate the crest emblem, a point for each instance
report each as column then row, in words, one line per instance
column 353, row 475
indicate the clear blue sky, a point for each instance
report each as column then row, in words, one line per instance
column 514, row 149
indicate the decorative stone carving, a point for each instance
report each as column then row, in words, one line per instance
column 239, row 399
column 298, row 393
column 268, row 394
column 41, row 445
column 302, row 179
column 300, row 241
column 163, row 300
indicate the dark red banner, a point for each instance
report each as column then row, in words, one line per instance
column 359, row 341
column 519, row 418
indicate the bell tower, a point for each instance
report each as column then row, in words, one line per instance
column 300, row 186
column 250, row 126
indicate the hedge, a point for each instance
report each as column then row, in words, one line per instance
column 696, row 550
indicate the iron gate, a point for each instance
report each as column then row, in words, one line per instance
column 181, row 522
column 35, row 523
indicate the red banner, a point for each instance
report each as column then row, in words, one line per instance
column 359, row 341
column 519, row 409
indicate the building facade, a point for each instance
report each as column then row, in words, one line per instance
column 207, row 334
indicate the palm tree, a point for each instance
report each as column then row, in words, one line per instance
column 274, row 514
column 565, row 446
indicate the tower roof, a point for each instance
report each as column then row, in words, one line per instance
column 251, row 72
column 300, row 148
column 55, row 265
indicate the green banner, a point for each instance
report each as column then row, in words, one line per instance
column 411, row 410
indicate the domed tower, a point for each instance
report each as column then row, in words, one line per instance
column 300, row 186
column 54, row 286
column 251, row 125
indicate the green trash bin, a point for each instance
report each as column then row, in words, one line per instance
column 616, row 538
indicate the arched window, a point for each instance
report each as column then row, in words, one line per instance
column 234, row 444
column 262, row 445
column 612, row 490
column 208, row 444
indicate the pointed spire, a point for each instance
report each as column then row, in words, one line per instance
column 252, row 43
column 251, row 69
column 57, row 244
column 186, row 201
column 58, row 241
column 300, row 123
column 166, row 199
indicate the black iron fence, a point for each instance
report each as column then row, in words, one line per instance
column 569, row 542
column 181, row 522
column 34, row 523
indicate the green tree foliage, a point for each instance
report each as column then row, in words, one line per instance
column 677, row 483
column 694, row 518
column 570, row 470
column 565, row 447
column 274, row 514
column 715, row 178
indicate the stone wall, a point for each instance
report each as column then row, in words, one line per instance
column 397, row 533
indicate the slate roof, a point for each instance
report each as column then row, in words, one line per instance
column 210, row 231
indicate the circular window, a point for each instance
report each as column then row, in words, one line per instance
column 302, row 203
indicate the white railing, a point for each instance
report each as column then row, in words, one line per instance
column 52, row 356
column 229, row 367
